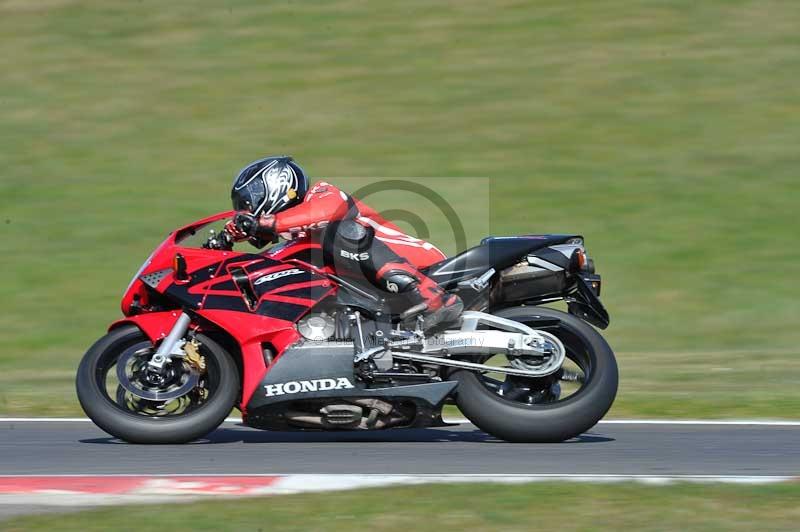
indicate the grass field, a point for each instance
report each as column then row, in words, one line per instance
column 666, row 132
column 463, row 507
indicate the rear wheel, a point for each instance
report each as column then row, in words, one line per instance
column 188, row 400
column 549, row 409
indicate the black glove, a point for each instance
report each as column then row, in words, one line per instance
column 246, row 223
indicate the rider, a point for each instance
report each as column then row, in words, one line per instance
column 272, row 197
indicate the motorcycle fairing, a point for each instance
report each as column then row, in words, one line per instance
column 161, row 259
column 309, row 362
column 250, row 331
column 155, row 325
column 305, row 250
column 212, row 285
column 211, row 294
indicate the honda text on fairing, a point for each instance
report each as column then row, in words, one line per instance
column 294, row 346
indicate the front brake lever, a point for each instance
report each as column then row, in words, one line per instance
column 222, row 241
column 227, row 240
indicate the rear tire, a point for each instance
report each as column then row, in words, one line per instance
column 135, row 428
column 544, row 423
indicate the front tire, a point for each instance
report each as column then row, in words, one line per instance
column 122, row 423
column 547, row 422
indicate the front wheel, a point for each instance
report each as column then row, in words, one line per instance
column 550, row 409
column 189, row 400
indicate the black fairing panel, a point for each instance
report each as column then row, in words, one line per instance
column 331, row 361
column 493, row 252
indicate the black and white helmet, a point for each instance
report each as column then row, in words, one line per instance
column 269, row 185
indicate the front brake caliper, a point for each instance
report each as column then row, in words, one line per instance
column 193, row 356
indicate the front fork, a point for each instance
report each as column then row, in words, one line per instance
column 166, row 349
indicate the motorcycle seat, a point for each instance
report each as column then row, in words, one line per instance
column 493, row 252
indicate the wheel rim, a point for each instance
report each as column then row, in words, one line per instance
column 566, row 384
column 121, row 378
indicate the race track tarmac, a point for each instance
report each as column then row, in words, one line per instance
column 59, row 447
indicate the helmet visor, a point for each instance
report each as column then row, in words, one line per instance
column 250, row 196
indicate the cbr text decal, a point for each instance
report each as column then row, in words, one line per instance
column 277, row 275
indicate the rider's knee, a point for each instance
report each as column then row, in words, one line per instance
column 399, row 282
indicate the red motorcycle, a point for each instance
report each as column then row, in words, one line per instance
column 278, row 335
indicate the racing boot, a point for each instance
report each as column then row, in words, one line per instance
column 438, row 308
column 448, row 313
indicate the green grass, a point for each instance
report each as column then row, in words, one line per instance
column 463, row 507
column 666, row 132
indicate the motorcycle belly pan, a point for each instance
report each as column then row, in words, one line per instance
column 325, row 370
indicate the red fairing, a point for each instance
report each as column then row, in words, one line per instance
column 162, row 258
column 154, row 325
column 286, row 292
column 251, row 332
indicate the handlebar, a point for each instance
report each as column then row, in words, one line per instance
column 222, row 241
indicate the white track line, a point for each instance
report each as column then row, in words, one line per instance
column 308, row 482
column 305, row 479
column 768, row 423
column 709, row 422
column 81, row 490
column 187, row 488
column 72, row 420
column 172, row 489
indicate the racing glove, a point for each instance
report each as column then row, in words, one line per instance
column 242, row 227
column 258, row 230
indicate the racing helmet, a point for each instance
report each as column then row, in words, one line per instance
column 269, row 185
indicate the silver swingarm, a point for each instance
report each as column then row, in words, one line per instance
column 530, row 352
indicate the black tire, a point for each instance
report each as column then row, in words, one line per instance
column 545, row 423
column 135, row 428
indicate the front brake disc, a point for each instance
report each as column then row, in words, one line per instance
column 127, row 362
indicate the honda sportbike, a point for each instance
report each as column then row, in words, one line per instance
column 277, row 334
